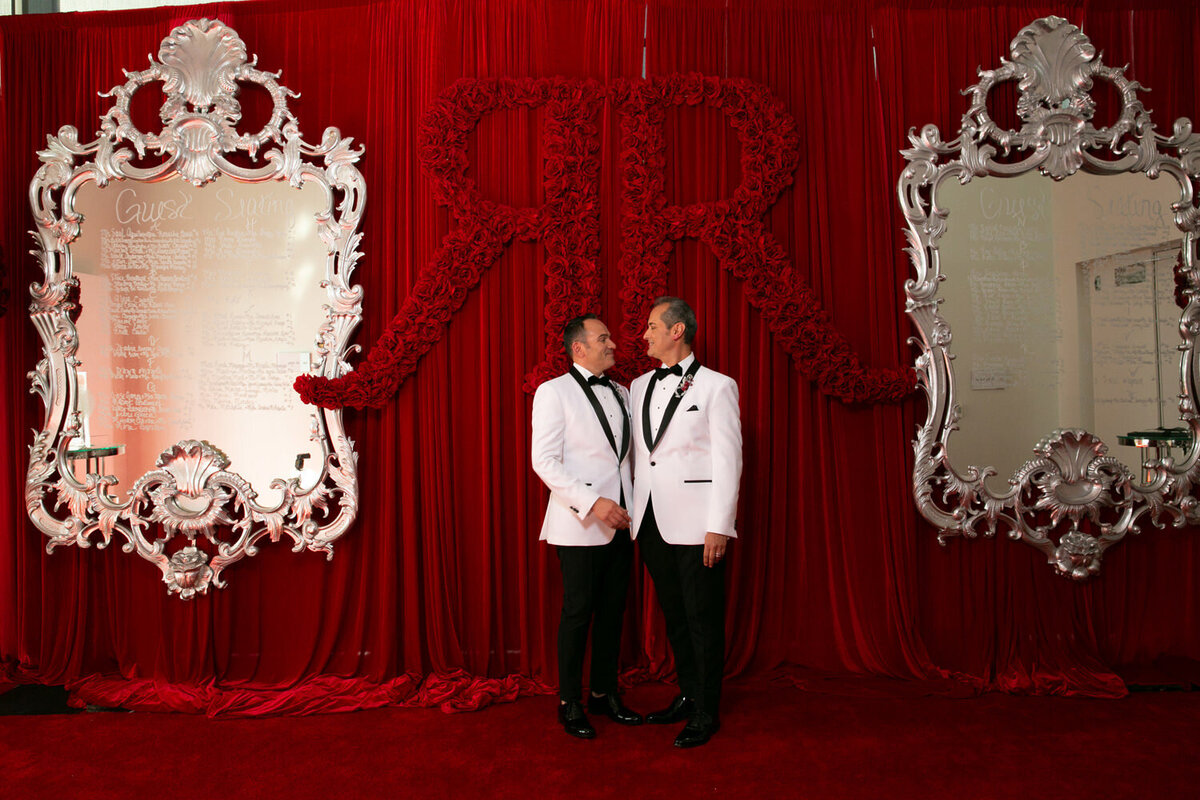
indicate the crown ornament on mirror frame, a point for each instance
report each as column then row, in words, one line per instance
column 200, row 65
column 190, row 495
column 1056, row 68
column 1071, row 501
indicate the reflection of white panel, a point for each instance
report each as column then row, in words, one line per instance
column 1134, row 317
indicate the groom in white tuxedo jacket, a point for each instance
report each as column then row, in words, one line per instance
column 581, row 450
column 687, row 470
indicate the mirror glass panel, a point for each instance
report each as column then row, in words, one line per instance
column 200, row 306
column 1060, row 296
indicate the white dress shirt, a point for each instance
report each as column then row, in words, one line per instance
column 608, row 403
column 663, row 391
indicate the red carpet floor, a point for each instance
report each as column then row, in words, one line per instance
column 776, row 742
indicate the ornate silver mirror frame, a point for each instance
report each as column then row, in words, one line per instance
column 191, row 515
column 1070, row 500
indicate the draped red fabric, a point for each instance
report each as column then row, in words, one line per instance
column 441, row 594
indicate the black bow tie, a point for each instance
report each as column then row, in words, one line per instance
column 599, row 379
column 662, row 372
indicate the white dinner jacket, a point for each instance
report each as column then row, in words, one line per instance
column 694, row 471
column 572, row 456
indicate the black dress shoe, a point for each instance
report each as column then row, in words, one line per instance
column 680, row 709
column 574, row 721
column 699, row 730
column 611, row 706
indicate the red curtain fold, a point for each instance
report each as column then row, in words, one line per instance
column 441, row 593
column 453, row 692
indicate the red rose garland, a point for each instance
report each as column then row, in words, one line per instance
column 569, row 224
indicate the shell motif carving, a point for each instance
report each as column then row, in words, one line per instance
column 191, row 464
column 1052, row 61
column 200, row 64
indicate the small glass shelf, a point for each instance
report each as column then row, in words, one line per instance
column 95, row 454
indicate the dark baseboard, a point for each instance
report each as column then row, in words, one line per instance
column 35, row 699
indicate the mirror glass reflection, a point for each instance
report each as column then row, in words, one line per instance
column 1060, row 298
column 199, row 306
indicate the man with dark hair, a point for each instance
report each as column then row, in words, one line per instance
column 580, row 450
column 688, row 467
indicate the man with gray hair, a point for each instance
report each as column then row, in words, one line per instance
column 687, row 471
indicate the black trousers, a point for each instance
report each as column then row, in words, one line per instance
column 595, row 584
column 692, row 597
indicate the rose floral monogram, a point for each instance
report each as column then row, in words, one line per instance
column 569, row 224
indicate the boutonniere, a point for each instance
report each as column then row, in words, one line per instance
column 683, row 386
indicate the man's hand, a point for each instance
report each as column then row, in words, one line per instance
column 610, row 513
column 714, row 548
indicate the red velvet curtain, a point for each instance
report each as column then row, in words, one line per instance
column 441, row 593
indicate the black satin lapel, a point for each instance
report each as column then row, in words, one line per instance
column 628, row 424
column 591, row 396
column 673, row 404
column 646, row 437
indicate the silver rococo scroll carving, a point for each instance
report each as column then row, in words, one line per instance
column 1071, row 500
column 191, row 515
